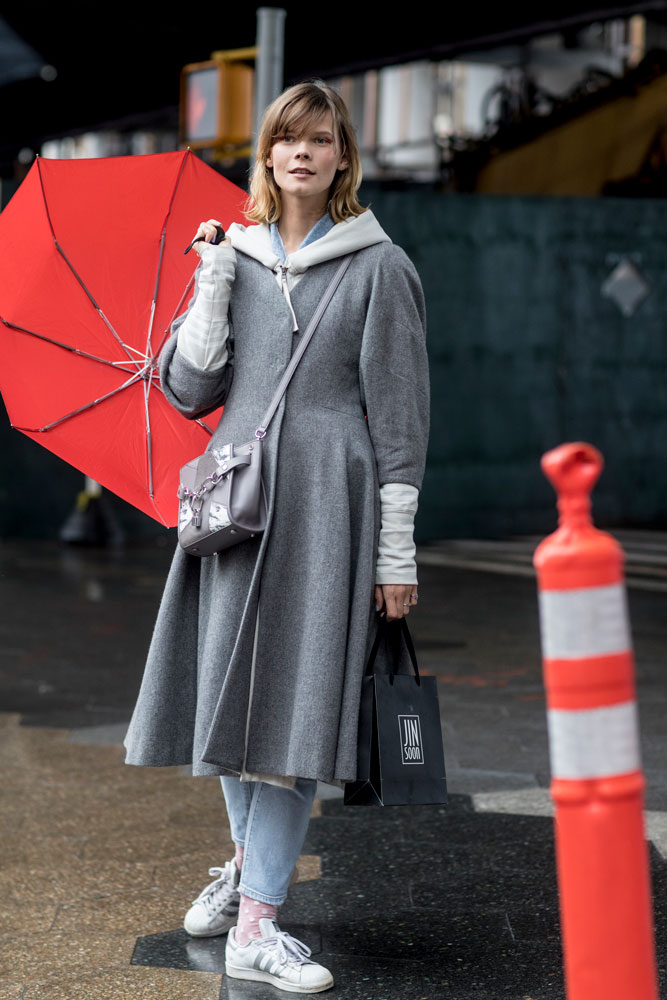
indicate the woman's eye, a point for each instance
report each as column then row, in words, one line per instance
column 323, row 140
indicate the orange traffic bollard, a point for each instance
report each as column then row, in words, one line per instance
column 597, row 781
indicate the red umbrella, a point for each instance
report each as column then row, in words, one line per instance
column 92, row 273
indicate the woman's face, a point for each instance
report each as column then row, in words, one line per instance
column 304, row 166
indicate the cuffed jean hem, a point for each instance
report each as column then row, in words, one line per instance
column 261, row 896
column 270, row 822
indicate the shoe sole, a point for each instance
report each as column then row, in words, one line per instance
column 207, row 934
column 256, row 975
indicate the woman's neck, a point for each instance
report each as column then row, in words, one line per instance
column 297, row 219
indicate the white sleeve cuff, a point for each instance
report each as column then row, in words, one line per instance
column 396, row 548
column 202, row 337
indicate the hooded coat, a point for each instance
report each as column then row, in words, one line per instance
column 258, row 652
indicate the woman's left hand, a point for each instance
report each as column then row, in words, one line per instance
column 395, row 599
column 206, row 233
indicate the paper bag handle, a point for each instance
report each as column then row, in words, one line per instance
column 393, row 631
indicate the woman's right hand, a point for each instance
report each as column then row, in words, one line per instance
column 208, row 233
column 395, row 599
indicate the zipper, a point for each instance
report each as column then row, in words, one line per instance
column 285, row 290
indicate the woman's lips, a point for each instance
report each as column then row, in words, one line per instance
column 302, row 170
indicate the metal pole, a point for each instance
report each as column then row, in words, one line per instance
column 269, row 64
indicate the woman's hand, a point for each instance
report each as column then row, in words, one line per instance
column 208, row 232
column 395, row 599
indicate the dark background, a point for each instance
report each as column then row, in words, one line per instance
column 125, row 59
column 525, row 351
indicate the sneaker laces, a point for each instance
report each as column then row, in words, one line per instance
column 290, row 950
column 214, row 887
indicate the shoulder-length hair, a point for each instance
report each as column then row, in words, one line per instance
column 294, row 111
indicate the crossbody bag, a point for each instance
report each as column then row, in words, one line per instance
column 222, row 496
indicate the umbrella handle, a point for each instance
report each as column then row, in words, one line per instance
column 219, row 237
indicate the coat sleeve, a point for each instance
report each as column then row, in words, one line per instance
column 393, row 371
column 192, row 390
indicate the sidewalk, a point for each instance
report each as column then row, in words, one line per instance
column 100, row 861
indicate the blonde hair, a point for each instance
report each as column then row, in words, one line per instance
column 295, row 110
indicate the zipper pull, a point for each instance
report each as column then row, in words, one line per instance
column 285, row 290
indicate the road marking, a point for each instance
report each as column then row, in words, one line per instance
column 537, row 802
column 431, row 557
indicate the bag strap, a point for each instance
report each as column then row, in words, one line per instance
column 393, row 631
column 303, row 344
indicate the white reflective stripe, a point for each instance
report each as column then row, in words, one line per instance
column 592, row 621
column 594, row 742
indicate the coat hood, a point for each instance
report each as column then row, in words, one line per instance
column 353, row 234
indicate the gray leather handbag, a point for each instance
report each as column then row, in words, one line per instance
column 221, row 494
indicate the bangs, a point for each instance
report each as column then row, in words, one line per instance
column 300, row 115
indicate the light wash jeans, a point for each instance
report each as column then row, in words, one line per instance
column 270, row 824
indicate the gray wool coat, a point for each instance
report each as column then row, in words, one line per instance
column 298, row 601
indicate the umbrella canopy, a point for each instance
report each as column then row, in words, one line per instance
column 92, row 273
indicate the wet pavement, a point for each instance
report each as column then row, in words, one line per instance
column 100, row 861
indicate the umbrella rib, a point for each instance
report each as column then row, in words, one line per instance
column 81, row 409
column 205, row 426
column 74, row 272
column 197, row 421
column 152, row 316
column 118, row 365
column 149, row 442
column 159, row 263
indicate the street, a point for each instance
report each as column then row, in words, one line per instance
column 102, row 860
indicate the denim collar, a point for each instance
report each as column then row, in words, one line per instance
column 321, row 228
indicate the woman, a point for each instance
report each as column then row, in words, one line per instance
column 255, row 667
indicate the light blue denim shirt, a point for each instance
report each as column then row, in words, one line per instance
column 321, row 228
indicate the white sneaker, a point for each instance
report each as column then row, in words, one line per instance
column 276, row 958
column 216, row 909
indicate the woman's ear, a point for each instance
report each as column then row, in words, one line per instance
column 343, row 162
column 269, row 161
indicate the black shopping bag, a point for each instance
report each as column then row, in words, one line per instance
column 400, row 754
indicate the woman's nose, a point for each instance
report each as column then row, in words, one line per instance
column 302, row 150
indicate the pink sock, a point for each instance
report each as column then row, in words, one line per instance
column 250, row 911
column 238, row 857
